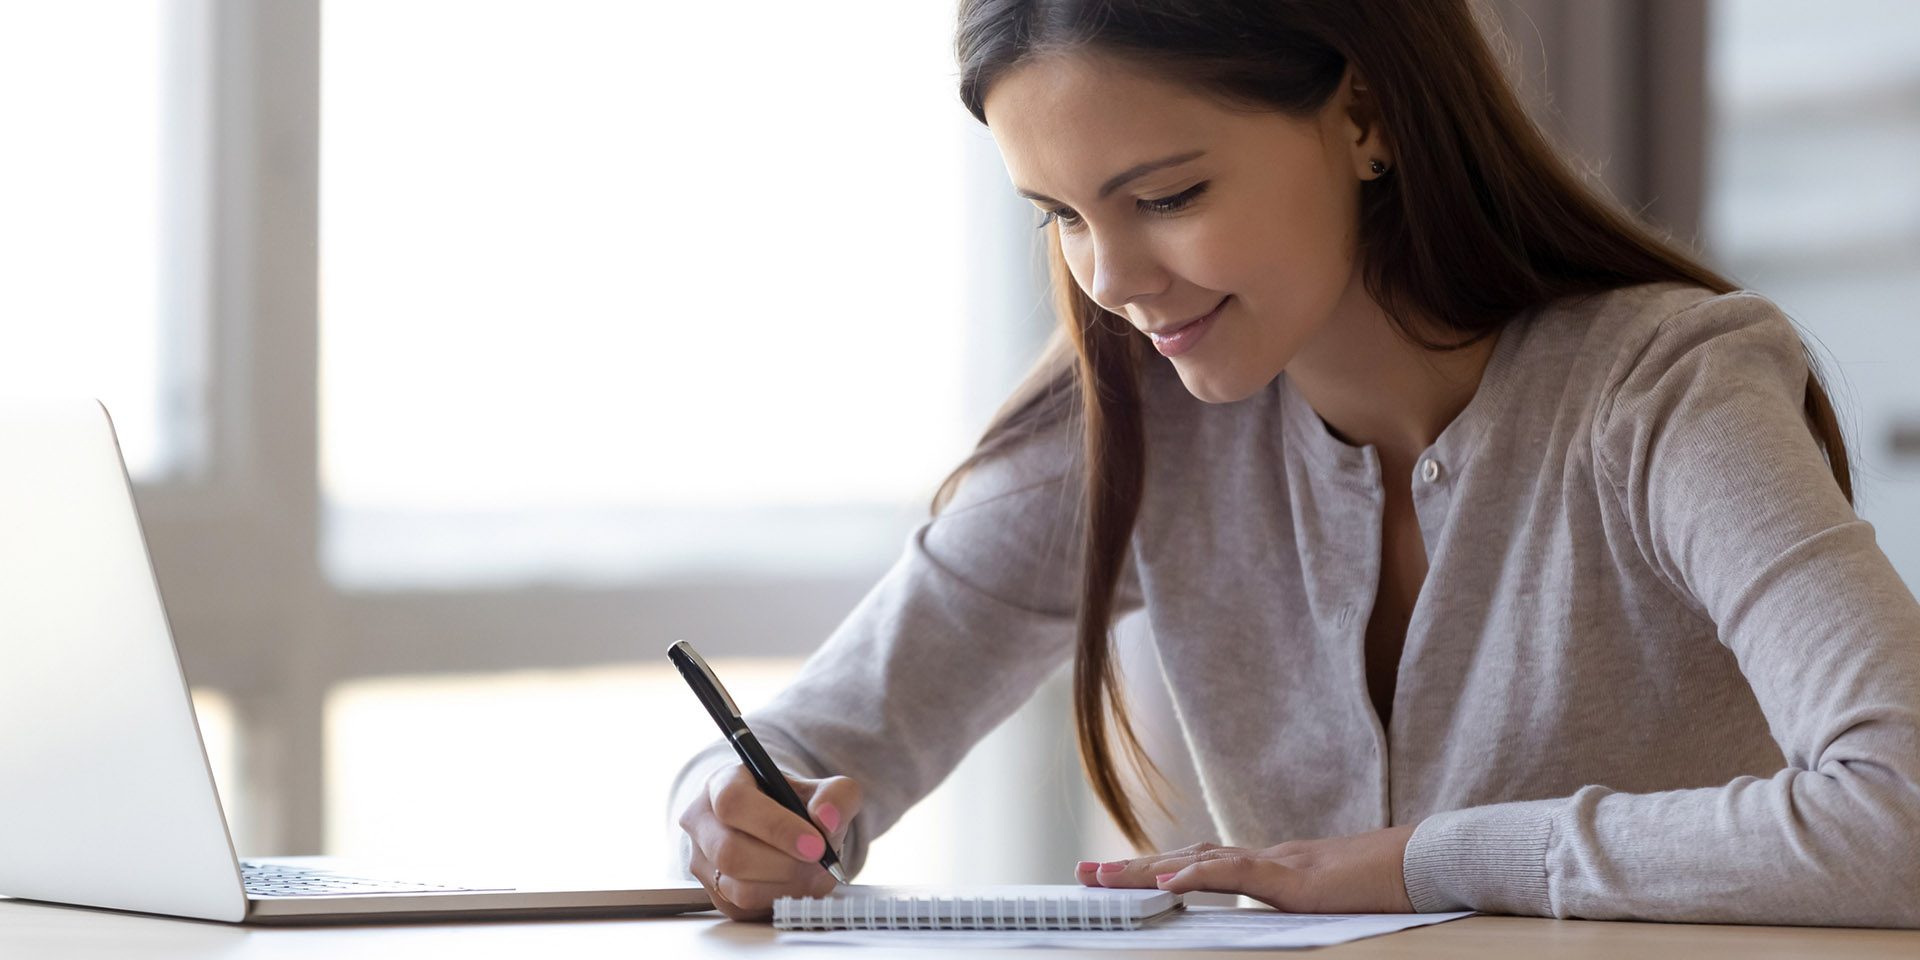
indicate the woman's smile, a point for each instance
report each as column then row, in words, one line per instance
column 1176, row 340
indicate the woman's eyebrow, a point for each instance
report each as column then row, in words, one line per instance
column 1131, row 173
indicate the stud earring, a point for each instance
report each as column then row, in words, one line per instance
column 1378, row 167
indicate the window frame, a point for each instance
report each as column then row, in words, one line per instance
column 235, row 531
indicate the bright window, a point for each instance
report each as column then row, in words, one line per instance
column 219, row 731
column 551, row 768
column 614, row 289
column 83, row 101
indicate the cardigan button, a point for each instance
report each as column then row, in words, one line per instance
column 1430, row 471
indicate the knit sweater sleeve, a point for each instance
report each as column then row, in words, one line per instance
column 976, row 613
column 1703, row 441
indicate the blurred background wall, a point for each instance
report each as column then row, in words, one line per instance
column 466, row 354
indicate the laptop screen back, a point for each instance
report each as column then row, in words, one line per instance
column 106, row 798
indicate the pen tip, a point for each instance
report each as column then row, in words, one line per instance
column 839, row 873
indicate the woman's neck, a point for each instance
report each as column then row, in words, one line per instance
column 1372, row 387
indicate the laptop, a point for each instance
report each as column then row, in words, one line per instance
column 106, row 796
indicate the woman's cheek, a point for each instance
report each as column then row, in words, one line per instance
column 1217, row 260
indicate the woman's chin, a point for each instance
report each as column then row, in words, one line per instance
column 1212, row 385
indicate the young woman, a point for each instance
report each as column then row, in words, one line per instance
column 1499, row 554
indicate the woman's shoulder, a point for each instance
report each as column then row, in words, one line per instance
column 1627, row 322
column 1657, row 357
column 1633, row 343
column 1622, row 319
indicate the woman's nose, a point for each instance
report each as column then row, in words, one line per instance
column 1122, row 273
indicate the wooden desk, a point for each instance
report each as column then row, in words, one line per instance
column 32, row 931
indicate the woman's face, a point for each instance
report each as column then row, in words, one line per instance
column 1229, row 237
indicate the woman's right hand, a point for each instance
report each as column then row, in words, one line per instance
column 749, row 851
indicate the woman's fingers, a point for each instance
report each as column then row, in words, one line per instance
column 738, row 803
column 740, row 855
column 702, row 869
column 744, row 876
column 1241, row 873
column 751, row 899
column 749, row 851
column 1143, row 871
column 1214, row 869
column 762, row 895
column 833, row 802
column 1354, row 874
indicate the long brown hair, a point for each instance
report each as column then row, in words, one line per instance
column 1479, row 220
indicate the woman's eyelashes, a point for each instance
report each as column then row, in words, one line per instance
column 1067, row 218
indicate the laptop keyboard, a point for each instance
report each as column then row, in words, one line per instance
column 276, row 880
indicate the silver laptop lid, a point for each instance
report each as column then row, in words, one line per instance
column 105, row 793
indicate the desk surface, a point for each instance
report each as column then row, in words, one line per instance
column 33, row 930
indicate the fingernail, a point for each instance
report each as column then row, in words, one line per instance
column 1112, row 866
column 1162, row 878
column 811, row 846
column 1086, row 866
column 829, row 816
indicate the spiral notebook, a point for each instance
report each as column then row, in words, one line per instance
column 1042, row 907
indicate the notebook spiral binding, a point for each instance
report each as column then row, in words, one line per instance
column 953, row 913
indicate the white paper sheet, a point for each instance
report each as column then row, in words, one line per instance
column 1193, row 928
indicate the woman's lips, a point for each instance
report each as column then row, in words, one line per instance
column 1187, row 336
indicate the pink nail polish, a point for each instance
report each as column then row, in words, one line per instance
column 811, row 846
column 1161, row 879
column 1086, row 866
column 829, row 816
column 1113, row 866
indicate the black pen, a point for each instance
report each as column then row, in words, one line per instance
column 772, row 782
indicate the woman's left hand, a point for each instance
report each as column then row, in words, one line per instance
column 1356, row 874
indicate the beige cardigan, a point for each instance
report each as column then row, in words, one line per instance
column 1658, row 668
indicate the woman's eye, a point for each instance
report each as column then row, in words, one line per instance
column 1178, row 200
column 1067, row 218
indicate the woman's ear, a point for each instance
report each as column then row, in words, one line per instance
column 1364, row 132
